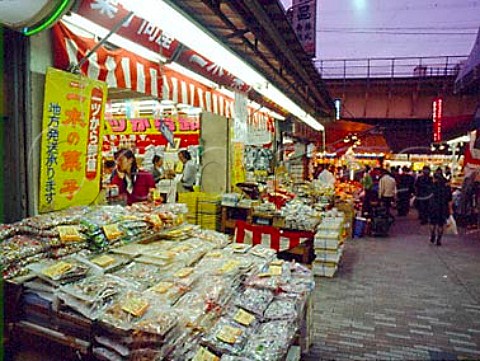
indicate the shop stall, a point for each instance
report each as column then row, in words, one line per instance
column 116, row 283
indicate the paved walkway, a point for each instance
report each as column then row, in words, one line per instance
column 401, row 298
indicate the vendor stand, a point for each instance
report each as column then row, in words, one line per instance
column 123, row 283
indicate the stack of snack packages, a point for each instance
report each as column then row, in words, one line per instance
column 328, row 244
column 190, row 294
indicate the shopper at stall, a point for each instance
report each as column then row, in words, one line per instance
column 132, row 182
column 423, row 193
column 387, row 188
column 405, row 190
column 159, row 172
column 368, row 193
column 327, row 177
column 440, row 207
column 189, row 173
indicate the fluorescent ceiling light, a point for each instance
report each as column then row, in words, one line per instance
column 463, row 138
column 188, row 33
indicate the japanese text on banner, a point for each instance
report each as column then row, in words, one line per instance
column 71, row 140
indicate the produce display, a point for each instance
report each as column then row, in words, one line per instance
column 178, row 293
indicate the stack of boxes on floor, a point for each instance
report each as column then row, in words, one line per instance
column 208, row 211
column 203, row 209
column 328, row 244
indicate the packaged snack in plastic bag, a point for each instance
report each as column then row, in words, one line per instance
column 254, row 300
column 270, row 342
column 227, row 336
column 139, row 273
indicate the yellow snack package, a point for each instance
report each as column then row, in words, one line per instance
column 56, row 270
column 244, row 318
column 135, row 306
column 103, row 260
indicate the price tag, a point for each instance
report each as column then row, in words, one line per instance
column 69, row 234
column 229, row 334
column 135, row 306
column 112, row 232
column 184, row 272
column 203, row 354
column 155, row 220
column 275, row 270
column 229, row 266
column 57, row 269
column 103, row 261
column 162, row 287
column 244, row 318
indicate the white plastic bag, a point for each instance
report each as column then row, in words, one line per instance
column 451, row 226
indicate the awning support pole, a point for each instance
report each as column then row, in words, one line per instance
column 104, row 39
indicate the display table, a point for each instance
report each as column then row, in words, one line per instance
column 231, row 214
column 294, row 242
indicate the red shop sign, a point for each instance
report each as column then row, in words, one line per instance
column 110, row 13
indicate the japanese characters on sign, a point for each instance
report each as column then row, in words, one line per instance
column 109, row 13
column 149, row 125
column 304, row 23
column 437, row 119
column 72, row 126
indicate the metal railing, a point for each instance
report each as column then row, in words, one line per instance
column 399, row 67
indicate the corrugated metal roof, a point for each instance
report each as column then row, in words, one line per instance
column 259, row 32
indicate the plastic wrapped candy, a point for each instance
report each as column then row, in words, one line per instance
column 281, row 309
column 60, row 272
column 91, row 294
column 254, row 300
column 143, row 274
column 227, row 336
column 220, row 240
column 270, row 342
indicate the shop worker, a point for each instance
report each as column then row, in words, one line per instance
column 387, row 188
column 189, row 173
column 423, row 193
column 132, row 182
column 109, row 171
column 158, row 170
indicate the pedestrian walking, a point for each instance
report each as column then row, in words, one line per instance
column 440, row 207
column 423, row 193
column 387, row 188
column 405, row 189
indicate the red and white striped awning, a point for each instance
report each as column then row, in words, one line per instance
column 120, row 68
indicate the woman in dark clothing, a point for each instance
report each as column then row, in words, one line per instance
column 440, row 206
column 423, row 194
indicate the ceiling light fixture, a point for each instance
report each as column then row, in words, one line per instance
column 180, row 27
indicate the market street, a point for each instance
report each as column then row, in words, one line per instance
column 401, row 298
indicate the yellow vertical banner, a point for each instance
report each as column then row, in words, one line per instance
column 72, row 133
column 238, row 163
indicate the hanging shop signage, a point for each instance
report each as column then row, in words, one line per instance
column 176, row 124
column 110, row 13
column 304, row 22
column 142, row 32
column 119, row 68
column 437, row 119
column 71, row 140
column 124, row 69
column 238, row 163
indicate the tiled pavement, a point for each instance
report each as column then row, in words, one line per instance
column 401, row 298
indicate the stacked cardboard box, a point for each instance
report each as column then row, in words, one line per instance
column 328, row 244
column 190, row 199
column 208, row 211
